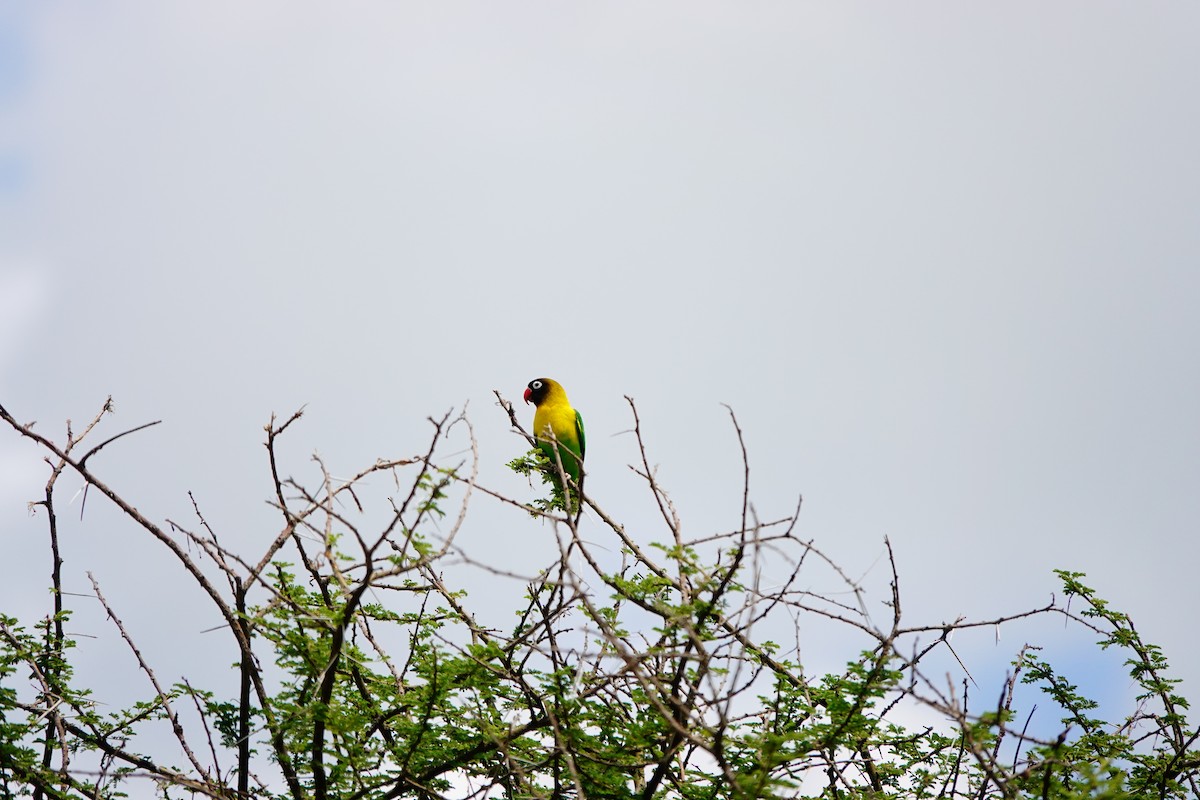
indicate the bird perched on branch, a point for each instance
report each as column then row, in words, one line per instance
column 556, row 423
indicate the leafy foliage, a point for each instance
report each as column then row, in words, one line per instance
column 536, row 462
column 361, row 671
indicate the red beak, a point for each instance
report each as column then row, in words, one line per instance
column 528, row 392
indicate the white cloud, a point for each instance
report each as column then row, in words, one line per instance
column 23, row 293
column 24, row 289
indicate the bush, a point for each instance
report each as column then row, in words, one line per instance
column 361, row 672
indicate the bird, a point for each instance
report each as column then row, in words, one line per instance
column 555, row 422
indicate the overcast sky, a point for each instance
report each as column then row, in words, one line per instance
column 942, row 259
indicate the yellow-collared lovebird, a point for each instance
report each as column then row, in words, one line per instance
column 555, row 421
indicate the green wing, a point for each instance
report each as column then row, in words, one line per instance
column 579, row 433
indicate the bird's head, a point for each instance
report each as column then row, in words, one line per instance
column 538, row 389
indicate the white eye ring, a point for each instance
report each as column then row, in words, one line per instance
column 536, row 384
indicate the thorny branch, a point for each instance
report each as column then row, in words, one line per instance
column 640, row 663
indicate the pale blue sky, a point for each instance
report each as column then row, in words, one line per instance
column 941, row 258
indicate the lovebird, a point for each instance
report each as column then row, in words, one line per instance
column 555, row 421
